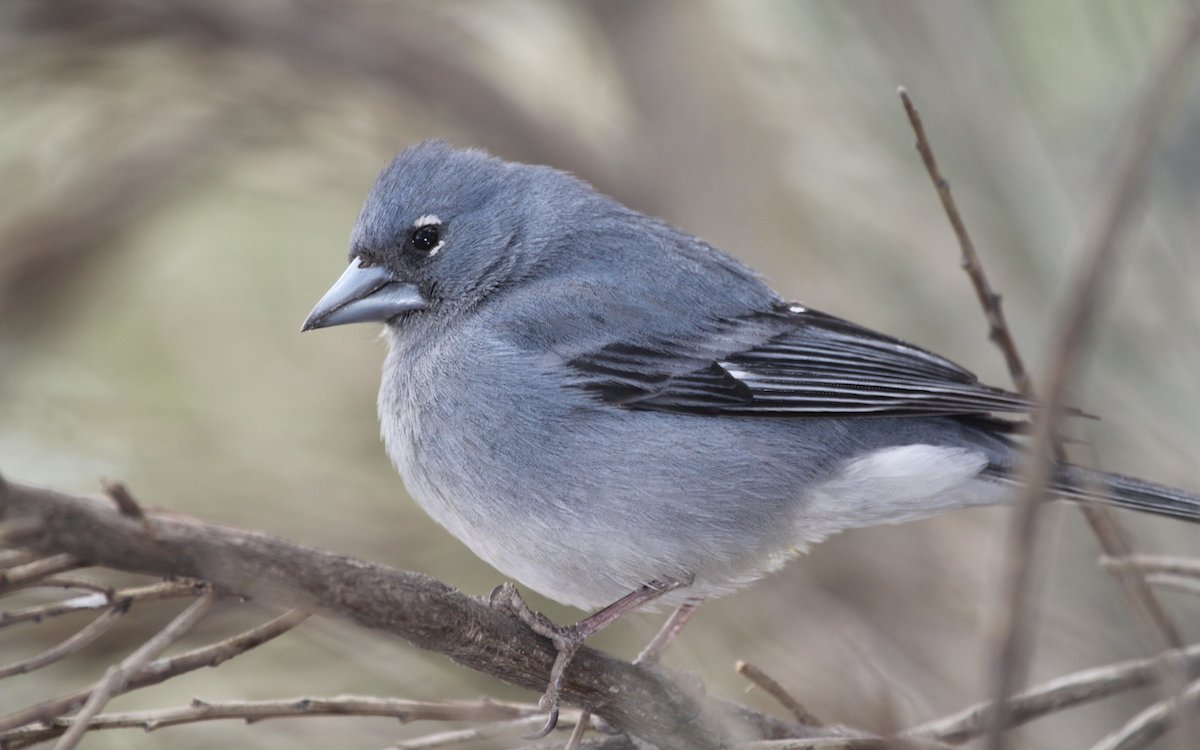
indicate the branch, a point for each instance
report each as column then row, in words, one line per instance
column 1099, row 253
column 844, row 743
column 1162, row 564
column 1058, row 694
column 117, row 677
column 21, row 575
column 259, row 710
column 100, row 600
column 82, row 638
column 763, row 680
column 159, row 671
column 510, row 728
column 1151, row 723
column 998, row 331
column 427, row 613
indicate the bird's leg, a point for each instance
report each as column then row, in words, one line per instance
column 568, row 639
column 650, row 655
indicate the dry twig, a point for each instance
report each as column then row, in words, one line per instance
column 424, row 611
column 1163, row 564
column 100, row 600
column 511, row 727
column 124, row 499
column 1099, row 252
column 776, row 691
column 21, row 575
column 260, row 710
column 79, row 640
column 845, row 743
column 158, row 671
column 1060, row 693
column 117, row 677
column 998, row 330
column 1153, row 722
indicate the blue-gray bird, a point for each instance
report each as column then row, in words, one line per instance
column 611, row 411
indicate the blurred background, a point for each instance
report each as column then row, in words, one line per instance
column 180, row 180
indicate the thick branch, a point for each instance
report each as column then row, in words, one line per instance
column 423, row 611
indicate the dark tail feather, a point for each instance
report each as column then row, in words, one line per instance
column 1086, row 485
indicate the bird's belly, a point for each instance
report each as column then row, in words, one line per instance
column 588, row 512
column 585, row 503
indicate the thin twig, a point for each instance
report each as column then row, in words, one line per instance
column 581, row 727
column 252, row 711
column 79, row 640
column 777, row 691
column 844, row 743
column 46, row 566
column 124, row 499
column 1151, row 723
column 115, row 679
column 161, row 670
column 1103, row 523
column 426, row 612
column 67, row 582
column 1055, row 695
column 1180, row 584
column 998, row 330
column 487, row 731
column 1177, row 566
column 101, row 600
column 1099, row 252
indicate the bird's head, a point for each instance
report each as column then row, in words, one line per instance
column 441, row 229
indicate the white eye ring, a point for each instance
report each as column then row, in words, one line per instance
column 426, row 220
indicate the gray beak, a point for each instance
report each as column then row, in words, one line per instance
column 362, row 295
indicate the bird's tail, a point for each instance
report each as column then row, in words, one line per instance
column 1087, row 485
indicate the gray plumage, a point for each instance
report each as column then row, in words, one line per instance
column 591, row 399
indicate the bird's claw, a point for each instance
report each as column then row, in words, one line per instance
column 566, row 640
column 547, row 728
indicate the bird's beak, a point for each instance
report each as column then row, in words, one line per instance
column 362, row 295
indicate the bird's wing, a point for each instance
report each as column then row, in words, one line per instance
column 789, row 362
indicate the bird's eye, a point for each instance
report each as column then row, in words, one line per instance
column 426, row 238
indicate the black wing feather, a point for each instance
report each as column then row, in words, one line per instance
column 789, row 362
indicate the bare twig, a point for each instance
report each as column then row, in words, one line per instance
column 101, row 600
column 776, row 691
column 121, row 495
column 581, row 727
column 989, row 299
column 1063, row 692
column 511, row 727
column 1152, row 723
column 86, row 635
column 426, row 612
column 67, row 582
column 844, row 743
column 1099, row 251
column 1176, row 566
column 1110, row 535
column 1179, row 584
column 1103, row 523
column 115, row 679
column 259, row 710
column 46, row 566
column 158, row 671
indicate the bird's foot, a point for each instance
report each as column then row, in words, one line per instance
column 566, row 639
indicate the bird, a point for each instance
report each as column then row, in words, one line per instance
column 618, row 415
